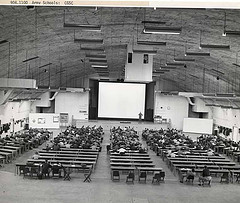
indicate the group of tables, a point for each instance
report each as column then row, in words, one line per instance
column 217, row 165
column 132, row 161
column 69, row 158
column 13, row 149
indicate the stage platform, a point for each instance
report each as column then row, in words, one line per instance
column 137, row 125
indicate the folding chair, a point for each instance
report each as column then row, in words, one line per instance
column 130, row 177
column 88, row 177
column 190, row 178
column 162, row 175
column 156, row 178
column 143, row 175
column 115, row 174
column 67, row 172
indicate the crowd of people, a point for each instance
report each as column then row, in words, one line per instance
column 72, row 137
column 123, row 139
column 34, row 137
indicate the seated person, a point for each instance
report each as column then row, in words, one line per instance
column 46, row 168
column 205, row 176
column 35, row 156
column 210, row 152
column 190, row 174
column 56, row 169
column 122, row 151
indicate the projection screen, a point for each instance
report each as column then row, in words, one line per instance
column 121, row 100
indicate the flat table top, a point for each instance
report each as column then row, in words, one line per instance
column 74, row 149
column 67, row 158
column 8, row 150
column 68, row 152
column 61, row 161
column 68, row 155
column 131, row 160
column 225, row 163
column 11, row 147
column 5, row 153
column 132, row 164
column 129, row 154
column 134, row 168
column 130, row 157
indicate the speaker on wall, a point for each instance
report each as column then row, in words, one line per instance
column 129, row 57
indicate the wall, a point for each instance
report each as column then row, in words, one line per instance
column 172, row 107
column 137, row 71
column 44, row 120
column 75, row 104
column 16, row 111
column 166, row 85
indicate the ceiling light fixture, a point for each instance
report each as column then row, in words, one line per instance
column 151, row 43
column 217, row 71
column 36, row 57
column 162, row 30
column 98, row 60
column 230, row 33
column 45, row 65
column 92, row 49
column 89, row 41
column 153, row 22
column 214, row 46
column 84, row 27
column 197, row 54
column 145, row 51
column 96, row 55
column 175, row 64
column 236, row 65
column 193, row 76
column 99, row 66
column 168, row 67
column 3, row 41
column 184, row 59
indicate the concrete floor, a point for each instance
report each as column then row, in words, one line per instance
column 103, row 190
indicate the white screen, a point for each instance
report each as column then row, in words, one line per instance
column 198, row 125
column 121, row 100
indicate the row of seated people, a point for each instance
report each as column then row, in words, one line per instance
column 123, row 139
column 172, row 139
column 44, row 170
column 216, row 140
column 33, row 136
column 17, row 143
column 78, row 138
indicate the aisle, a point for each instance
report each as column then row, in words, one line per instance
column 102, row 170
column 157, row 160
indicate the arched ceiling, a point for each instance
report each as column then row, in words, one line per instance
column 40, row 32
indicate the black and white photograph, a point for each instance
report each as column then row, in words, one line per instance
column 120, row 101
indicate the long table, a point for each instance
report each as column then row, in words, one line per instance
column 67, row 158
column 86, row 167
column 13, row 148
column 129, row 154
column 68, row 155
column 130, row 157
column 7, row 155
column 72, row 162
column 12, row 151
column 132, row 164
column 69, row 152
column 131, row 160
column 77, row 150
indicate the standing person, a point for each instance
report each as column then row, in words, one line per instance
column 140, row 116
